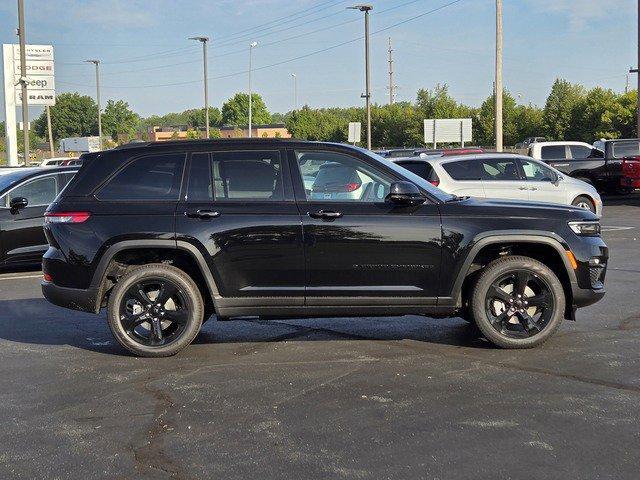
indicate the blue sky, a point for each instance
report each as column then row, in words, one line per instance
column 144, row 44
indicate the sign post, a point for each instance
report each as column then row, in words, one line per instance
column 40, row 83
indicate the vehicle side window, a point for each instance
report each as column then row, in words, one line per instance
column 537, row 172
column 464, row 170
column 422, row 169
column 336, row 177
column 553, row 152
column 39, row 191
column 580, row 152
column 247, row 175
column 200, row 187
column 156, row 177
column 630, row 148
column 499, row 169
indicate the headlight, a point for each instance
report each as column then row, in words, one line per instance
column 585, row 229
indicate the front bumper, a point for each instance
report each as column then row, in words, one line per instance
column 73, row 298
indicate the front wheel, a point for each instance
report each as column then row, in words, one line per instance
column 584, row 202
column 155, row 310
column 518, row 302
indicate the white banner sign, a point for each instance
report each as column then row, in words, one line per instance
column 354, row 131
column 37, row 97
column 38, row 82
column 447, row 130
column 34, row 52
column 35, row 67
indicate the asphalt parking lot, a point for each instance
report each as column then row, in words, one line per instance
column 396, row 398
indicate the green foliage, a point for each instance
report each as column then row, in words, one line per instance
column 235, row 111
column 215, row 133
column 558, row 114
column 73, row 115
column 118, row 118
column 193, row 134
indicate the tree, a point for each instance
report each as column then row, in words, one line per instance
column 193, row 134
column 559, row 109
column 484, row 121
column 235, row 111
column 437, row 103
column 196, row 117
column 118, row 118
column 528, row 121
column 73, row 115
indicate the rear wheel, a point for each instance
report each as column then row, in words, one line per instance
column 584, row 202
column 155, row 310
column 518, row 302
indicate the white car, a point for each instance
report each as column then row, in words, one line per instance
column 58, row 161
column 506, row 176
column 563, row 151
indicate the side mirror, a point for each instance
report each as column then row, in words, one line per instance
column 405, row 193
column 17, row 204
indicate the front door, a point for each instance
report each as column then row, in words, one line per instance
column 543, row 183
column 356, row 245
column 21, row 235
column 239, row 206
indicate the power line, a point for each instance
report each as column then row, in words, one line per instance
column 293, row 59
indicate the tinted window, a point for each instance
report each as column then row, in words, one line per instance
column 464, row 170
column 626, row 149
column 580, row 151
column 499, row 169
column 249, row 175
column 40, row 191
column 422, row 169
column 200, row 188
column 537, row 172
column 330, row 176
column 155, row 177
column 553, row 152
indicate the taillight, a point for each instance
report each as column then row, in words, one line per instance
column 351, row 187
column 435, row 183
column 631, row 167
column 66, row 217
column 46, row 277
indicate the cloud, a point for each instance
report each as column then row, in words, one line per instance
column 582, row 13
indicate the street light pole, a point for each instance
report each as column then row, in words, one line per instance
column 97, row 64
column 204, row 41
column 499, row 88
column 252, row 45
column 366, row 9
column 295, row 91
column 23, row 80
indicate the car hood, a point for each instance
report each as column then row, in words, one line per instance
column 517, row 209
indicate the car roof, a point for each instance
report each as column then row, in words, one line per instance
column 473, row 156
column 567, row 142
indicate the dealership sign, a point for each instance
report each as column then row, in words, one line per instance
column 40, row 81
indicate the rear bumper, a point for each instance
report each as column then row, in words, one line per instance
column 73, row 298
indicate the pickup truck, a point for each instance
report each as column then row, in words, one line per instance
column 608, row 165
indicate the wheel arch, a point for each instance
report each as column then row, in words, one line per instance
column 537, row 245
column 176, row 250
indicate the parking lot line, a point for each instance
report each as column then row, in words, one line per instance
column 21, row 277
column 607, row 228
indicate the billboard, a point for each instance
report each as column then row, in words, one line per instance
column 448, row 130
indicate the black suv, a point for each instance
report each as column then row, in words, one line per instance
column 164, row 235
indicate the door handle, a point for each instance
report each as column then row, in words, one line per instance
column 325, row 214
column 523, row 188
column 202, row 214
column 533, row 189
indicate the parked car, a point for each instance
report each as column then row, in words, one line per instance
column 164, row 235
column 610, row 169
column 528, row 141
column 515, row 177
column 25, row 193
column 427, row 152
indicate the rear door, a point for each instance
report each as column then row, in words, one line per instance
column 501, row 178
column 467, row 178
column 21, row 235
column 238, row 209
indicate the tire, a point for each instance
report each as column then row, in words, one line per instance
column 541, row 286
column 172, row 324
column 584, row 202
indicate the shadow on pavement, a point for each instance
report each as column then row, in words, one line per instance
column 34, row 321
column 632, row 199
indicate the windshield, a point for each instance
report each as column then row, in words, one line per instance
column 412, row 177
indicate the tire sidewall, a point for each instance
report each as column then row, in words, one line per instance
column 582, row 198
column 500, row 268
column 185, row 284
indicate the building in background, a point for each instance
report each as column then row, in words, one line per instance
column 275, row 130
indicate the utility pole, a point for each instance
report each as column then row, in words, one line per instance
column 392, row 87
column 498, row 87
column 97, row 64
column 626, row 85
column 49, row 129
column 295, row 91
column 204, row 41
column 252, row 45
column 366, row 9
column 22, row 34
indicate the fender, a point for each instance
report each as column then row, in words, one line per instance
column 97, row 282
column 501, row 236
